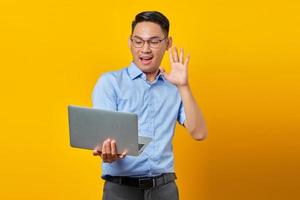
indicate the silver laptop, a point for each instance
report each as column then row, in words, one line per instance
column 90, row 127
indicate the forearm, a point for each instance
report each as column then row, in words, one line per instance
column 194, row 123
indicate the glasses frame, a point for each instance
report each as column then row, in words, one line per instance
column 148, row 41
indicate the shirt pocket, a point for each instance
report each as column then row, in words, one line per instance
column 132, row 105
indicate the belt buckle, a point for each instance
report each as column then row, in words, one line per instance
column 146, row 183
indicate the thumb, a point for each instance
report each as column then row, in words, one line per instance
column 162, row 70
column 96, row 152
column 123, row 155
column 164, row 73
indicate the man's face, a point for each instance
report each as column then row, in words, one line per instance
column 148, row 58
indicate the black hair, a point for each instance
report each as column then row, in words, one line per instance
column 152, row 16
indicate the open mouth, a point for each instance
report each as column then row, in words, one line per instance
column 146, row 60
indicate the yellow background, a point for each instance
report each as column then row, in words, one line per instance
column 244, row 72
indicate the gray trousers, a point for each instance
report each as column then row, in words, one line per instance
column 114, row 191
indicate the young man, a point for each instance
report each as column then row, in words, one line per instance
column 159, row 99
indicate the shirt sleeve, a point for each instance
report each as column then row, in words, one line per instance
column 104, row 95
column 181, row 114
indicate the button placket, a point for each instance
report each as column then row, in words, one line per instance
column 151, row 109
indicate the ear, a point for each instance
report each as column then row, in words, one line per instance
column 129, row 42
column 169, row 43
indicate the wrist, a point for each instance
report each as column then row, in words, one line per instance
column 183, row 87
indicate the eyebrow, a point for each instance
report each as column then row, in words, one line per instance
column 153, row 37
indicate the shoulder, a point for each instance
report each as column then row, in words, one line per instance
column 111, row 76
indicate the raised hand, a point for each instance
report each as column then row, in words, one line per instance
column 179, row 68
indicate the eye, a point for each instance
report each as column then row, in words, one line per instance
column 154, row 42
column 138, row 41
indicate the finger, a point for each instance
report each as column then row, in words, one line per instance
column 186, row 63
column 121, row 156
column 171, row 56
column 96, row 151
column 108, row 150
column 104, row 154
column 175, row 54
column 181, row 55
column 162, row 70
column 113, row 147
column 166, row 75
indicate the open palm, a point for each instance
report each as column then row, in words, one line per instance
column 179, row 73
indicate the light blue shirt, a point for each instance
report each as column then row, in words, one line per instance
column 158, row 105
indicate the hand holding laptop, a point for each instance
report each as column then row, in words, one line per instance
column 108, row 151
column 90, row 128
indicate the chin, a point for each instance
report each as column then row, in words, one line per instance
column 148, row 69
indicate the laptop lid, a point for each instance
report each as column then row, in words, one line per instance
column 90, row 127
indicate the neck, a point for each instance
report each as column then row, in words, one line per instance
column 151, row 75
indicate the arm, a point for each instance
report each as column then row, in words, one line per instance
column 194, row 122
column 104, row 97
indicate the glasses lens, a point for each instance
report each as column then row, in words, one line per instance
column 154, row 43
column 137, row 42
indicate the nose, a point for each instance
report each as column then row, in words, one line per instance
column 146, row 48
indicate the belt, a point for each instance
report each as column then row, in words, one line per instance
column 142, row 182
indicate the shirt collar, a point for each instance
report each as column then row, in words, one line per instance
column 134, row 72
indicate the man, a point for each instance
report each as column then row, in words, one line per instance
column 159, row 99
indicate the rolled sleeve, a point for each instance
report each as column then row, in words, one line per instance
column 181, row 114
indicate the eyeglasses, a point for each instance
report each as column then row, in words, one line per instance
column 153, row 43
